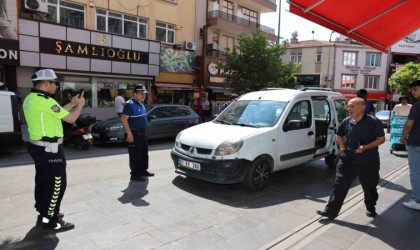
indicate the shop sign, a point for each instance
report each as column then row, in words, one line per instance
column 9, row 52
column 371, row 96
column 217, row 79
column 66, row 48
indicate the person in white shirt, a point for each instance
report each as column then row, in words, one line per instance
column 119, row 103
column 403, row 108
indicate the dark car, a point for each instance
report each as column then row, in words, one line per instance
column 383, row 116
column 165, row 120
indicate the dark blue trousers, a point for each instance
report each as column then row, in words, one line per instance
column 138, row 152
column 347, row 170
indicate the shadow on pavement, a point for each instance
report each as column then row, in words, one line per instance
column 34, row 239
column 134, row 193
column 299, row 183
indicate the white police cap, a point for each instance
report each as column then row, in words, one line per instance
column 45, row 75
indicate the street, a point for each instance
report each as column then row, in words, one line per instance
column 168, row 211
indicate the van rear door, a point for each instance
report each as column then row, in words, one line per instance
column 10, row 131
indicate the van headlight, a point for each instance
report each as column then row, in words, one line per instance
column 229, row 147
column 177, row 142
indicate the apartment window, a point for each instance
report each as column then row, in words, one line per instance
column 227, row 7
column 66, row 13
column 299, row 57
column 318, row 56
column 165, row 32
column 349, row 58
column 373, row 59
column 348, row 81
column 113, row 22
column 293, row 57
column 249, row 16
column 371, row 82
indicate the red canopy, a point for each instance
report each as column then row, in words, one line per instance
column 377, row 23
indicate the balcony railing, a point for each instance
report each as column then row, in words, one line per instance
column 239, row 20
column 271, row 1
column 217, row 53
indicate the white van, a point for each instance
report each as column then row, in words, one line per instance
column 262, row 132
column 10, row 131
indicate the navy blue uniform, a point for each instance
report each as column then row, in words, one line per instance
column 138, row 150
column 365, row 165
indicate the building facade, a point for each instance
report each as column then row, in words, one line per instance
column 218, row 24
column 103, row 47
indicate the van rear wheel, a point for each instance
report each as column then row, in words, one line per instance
column 332, row 160
column 258, row 174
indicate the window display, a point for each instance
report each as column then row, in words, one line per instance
column 108, row 90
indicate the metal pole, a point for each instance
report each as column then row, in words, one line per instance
column 278, row 27
column 328, row 80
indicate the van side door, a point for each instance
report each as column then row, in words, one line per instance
column 297, row 135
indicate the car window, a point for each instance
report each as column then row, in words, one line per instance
column 300, row 117
column 341, row 107
column 260, row 113
column 322, row 111
column 161, row 112
column 180, row 111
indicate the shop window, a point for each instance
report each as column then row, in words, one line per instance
column 165, row 33
column 117, row 23
column 70, row 89
column 66, row 13
column 107, row 91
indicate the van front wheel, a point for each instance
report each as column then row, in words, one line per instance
column 332, row 161
column 258, row 174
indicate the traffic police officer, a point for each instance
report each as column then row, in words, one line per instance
column 43, row 116
column 134, row 121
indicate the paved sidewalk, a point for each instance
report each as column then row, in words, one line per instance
column 396, row 227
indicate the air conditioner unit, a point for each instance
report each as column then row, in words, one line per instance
column 213, row 46
column 36, row 5
column 189, row 45
column 327, row 78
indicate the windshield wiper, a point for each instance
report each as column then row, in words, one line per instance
column 224, row 122
column 245, row 125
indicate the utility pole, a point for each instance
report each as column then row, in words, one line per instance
column 278, row 27
column 328, row 78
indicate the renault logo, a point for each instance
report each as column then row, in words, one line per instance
column 191, row 151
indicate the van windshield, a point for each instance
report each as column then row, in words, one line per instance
column 256, row 113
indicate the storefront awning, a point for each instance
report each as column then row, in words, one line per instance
column 173, row 86
column 220, row 90
column 376, row 23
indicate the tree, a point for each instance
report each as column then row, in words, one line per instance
column 404, row 76
column 253, row 65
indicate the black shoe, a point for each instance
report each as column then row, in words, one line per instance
column 148, row 174
column 39, row 219
column 137, row 178
column 325, row 214
column 57, row 226
column 371, row 214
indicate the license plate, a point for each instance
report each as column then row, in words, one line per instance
column 87, row 136
column 190, row 165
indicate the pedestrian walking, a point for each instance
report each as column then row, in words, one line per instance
column 43, row 116
column 403, row 108
column 134, row 121
column 411, row 137
column 232, row 98
column 119, row 103
column 370, row 109
column 358, row 138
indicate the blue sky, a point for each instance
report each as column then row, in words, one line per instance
column 291, row 22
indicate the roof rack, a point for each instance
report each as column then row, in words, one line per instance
column 315, row 88
column 271, row 89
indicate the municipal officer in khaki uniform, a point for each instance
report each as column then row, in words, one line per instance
column 43, row 116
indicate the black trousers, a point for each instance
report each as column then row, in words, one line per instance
column 347, row 171
column 50, row 180
column 138, row 152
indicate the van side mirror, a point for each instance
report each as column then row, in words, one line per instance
column 293, row 125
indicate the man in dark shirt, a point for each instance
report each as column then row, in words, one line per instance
column 358, row 138
column 412, row 130
column 369, row 108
